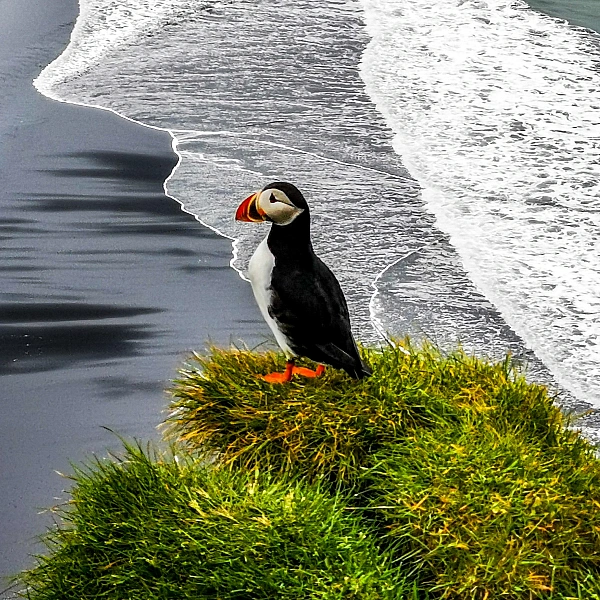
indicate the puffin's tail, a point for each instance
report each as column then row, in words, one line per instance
column 340, row 359
column 359, row 373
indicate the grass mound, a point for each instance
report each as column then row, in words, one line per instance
column 468, row 471
column 331, row 426
column 152, row 527
column 437, row 477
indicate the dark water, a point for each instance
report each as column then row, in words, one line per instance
column 584, row 13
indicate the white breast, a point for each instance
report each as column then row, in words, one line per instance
column 259, row 271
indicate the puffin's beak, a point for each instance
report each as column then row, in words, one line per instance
column 249, row 211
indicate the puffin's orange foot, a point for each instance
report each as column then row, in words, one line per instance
column 281, row 377
column 290, row 369
column 276, row 378
column 309, row 372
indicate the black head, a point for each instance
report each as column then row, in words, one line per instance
column 279, row 202
column 293, row 194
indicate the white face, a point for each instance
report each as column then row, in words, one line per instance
column 277, row 206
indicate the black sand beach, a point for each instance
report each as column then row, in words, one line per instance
column 106, row 283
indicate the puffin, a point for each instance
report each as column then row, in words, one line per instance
column 299, row 297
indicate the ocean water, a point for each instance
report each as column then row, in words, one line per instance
column 449, row 151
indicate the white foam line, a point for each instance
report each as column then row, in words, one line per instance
column 375, row 321
column 198, row 157
column 234, row 255
column 293, row 149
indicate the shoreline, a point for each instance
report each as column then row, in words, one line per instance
column 108, row 285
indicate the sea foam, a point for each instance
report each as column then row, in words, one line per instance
column 495, row 110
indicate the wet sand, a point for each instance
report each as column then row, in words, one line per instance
column 106, row 284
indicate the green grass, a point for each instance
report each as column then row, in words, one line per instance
column 150, row 526
column 466, row 467
column 447, row 477
column 494, row 513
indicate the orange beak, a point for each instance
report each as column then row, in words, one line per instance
column 249, row 211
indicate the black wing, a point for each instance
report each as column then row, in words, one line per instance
column 309, row 306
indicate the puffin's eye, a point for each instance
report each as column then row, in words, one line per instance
column 272, row 199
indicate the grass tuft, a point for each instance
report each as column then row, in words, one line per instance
column 493, row 514
column 152, row 527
